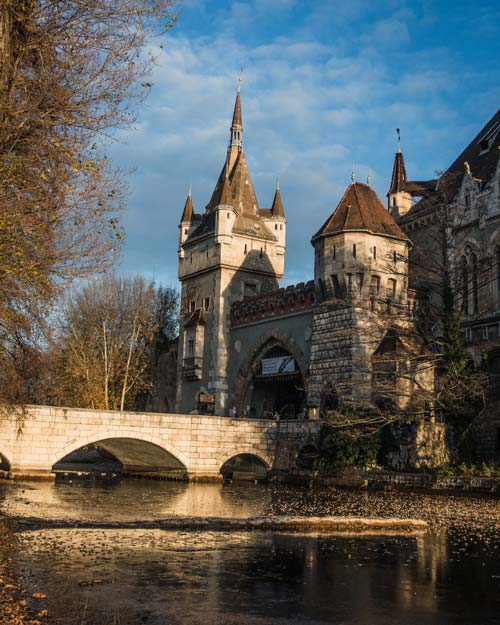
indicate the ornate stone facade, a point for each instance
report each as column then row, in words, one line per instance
column 460, row 214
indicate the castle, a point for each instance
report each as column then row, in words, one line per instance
column 248, row 347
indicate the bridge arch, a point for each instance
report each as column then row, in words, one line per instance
column 247, row 465
column 129, row 446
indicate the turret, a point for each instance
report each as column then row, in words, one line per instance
column 225, row 213
column 186, row 223
column 360, row 251
column 275, row 219
column 398, row 197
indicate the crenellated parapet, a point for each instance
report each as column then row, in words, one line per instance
column 292, row 299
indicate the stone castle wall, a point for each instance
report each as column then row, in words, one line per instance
column 278, row 303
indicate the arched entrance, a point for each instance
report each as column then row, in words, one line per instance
column 276, row 386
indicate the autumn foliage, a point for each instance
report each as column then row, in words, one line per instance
column 71, row 72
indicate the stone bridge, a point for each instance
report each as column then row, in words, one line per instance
column 195, row 445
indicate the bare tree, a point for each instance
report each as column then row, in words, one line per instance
column 107, row 334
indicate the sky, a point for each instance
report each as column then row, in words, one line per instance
column 325, row 85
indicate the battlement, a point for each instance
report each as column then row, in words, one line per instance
column 292, row 299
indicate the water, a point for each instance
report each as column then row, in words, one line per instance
column 451, row 575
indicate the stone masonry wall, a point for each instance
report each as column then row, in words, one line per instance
column 201, row 443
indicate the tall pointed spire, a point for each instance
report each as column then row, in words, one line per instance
column 187, row 213
column 399, row 179
column 236, row 137
column 277, row 209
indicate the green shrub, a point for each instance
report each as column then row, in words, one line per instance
column 343, row 448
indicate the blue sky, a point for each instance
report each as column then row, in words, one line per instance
column 325, row 84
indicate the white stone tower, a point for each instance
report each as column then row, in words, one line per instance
column 234, row 249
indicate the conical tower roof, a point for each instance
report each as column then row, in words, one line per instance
column 361, row 210
column 187, row 213
column 277, row 209
column 399, row 179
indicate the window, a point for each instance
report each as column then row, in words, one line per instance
column 261, row 254
column 349, row 282
column 485, row 333
column 334, row 252
column 192, row 306
column 191, row 258
column 228, row 215
column 394, row 256
column 246, row 249
column 337, row 289
column 468, row 335
column 394, row 201
column 206, row 303
column 281, row 226
column 249, row 289
column 275, row 226
column 475, row 289
column 190, row 347
column 391, row 288
column 497, row 261
column 374, row 285
column 321, row 287
column 354, row 250
column 464, row 279
column 374, row 253
column 359, row 281
column 185, row 230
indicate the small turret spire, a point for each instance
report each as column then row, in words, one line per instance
column 399, row 140
column 368, row 177
column 187, row 213
column 277, row 209
column 353, row 177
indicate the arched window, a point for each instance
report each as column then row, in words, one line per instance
column 497, row 271
column 475, row 287
column 464, row 280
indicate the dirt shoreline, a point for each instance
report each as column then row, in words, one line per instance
column 16, row 607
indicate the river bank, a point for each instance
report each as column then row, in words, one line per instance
column 16, row 608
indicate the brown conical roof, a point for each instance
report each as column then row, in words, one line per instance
column 360, row 209
column 399, row 179
column 244, row 198
column 277, row 209
column 225, row 192
column 187, row 213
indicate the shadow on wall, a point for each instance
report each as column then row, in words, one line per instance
column 4, row 464
column 122, row 455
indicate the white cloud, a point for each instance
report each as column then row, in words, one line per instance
column 311, row 106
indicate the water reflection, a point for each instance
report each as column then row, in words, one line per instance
column 134, row 499
column 449, row 576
